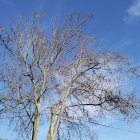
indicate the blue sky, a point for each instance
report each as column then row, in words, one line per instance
column 116, row 23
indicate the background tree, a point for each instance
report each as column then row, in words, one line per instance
column 60, row 75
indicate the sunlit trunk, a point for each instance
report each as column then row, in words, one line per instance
column 35, row 129
column 53, row 130
column 50, row 135
column 36, row 124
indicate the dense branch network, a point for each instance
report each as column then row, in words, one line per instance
column 59, row 76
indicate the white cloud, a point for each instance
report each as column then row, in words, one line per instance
column 134, row 9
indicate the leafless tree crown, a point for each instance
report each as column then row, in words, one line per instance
column 60, row 79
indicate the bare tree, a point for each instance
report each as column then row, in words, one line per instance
column 61, row 75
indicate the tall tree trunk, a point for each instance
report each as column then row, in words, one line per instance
column 36, row 123
column 50, row 135
column 35, row 128
column 53, row 130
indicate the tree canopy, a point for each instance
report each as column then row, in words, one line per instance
column 61, row 79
